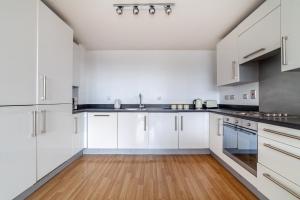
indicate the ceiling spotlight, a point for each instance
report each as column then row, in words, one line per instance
column 119, row 10
column 136, row 10
column 151, row 10
column 168, row 9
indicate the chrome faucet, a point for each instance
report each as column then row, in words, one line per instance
column 141, row 98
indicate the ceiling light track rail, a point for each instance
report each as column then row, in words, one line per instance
column 136, row 7
column 143, row 4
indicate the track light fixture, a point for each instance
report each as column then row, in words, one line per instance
column 168, row 9
column 152, row 7
column 136, row 10
column 119, row 10
column 151, row 10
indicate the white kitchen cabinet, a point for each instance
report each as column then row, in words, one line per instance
column 79, row 133
column 18, row 22
column 102, row 130
column 17, row 151
column 163, row 130
column 260, row 39
column 274, row 186
column 290, row 34
column 194, row 130
column 229, row 71
column 133, row 131
column 54, row 137
column 216, row 134
column 55, row 58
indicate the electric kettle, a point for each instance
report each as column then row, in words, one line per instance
column 198, row 103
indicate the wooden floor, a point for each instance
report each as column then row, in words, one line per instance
column 144, row 177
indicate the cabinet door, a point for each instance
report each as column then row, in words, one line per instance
column 227, row 60
column 76, row 64
column 290, row 32
column 216, row 133
column 163, row 130
column 102, row 130
column 55, row 58
column 194, row 131
column 261, row 38
column 133, row 130
column 18, row 22
column 17, row 151
column 79, row 132
column 54, row 139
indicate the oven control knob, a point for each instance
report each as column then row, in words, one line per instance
column 249, row 124
column 236, row 121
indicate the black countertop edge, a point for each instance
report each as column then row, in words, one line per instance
column 293, row 123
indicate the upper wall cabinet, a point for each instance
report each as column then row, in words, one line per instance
column 55, row 62
column 229, row 71
column 262, row 38
column 290, row 32
column 18, row 22
column 76, row 65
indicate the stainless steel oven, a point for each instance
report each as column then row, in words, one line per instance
column 240, row 142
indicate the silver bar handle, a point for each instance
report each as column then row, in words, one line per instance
column 233, row 70
column 284, row 57
column 253, row 53
column 181, row 123
column 76, row 125
column 44, row 97
column 145, row 123
column 282, row 151
column 176, row 126
column 101, row 115
column 219, row 127
column 44, row 121
column 34, row 134
column 282, row 134
column 292, row 192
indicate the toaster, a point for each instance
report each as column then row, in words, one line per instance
column 210, row 104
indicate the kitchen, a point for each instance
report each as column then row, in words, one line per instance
column 126, row 100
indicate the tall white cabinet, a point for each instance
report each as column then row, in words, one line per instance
column 55, row 58
column 290, row 31
column 18, row 22
column 216, row 134
column 79, row 132
column 17, row 150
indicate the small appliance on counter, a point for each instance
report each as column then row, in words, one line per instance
column 198, row 104
column 117, row 104
column 209, row 104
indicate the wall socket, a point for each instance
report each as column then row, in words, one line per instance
column 253, row 94
column 232, row 97
column 226, row 97
column 245, row 96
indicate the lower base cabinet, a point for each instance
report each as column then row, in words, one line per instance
column 54, row 137
column 79, row 133
column 163, row 130
column 17, row 151
column 216, row 134
column 102, row 130
column 194, row 130
column 133, row 130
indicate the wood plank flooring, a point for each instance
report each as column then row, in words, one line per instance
column 144, row 178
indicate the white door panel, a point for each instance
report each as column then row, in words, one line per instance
column 18, row 22
column 54, row 139
column 163, row 130
column 17, row 151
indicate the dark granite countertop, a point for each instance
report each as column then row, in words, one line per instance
column 289, row 122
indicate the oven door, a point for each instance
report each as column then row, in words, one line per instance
column 241, row 145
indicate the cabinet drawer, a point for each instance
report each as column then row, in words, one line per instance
column 279, row 157
column 284, row 135
column 261, row 38
column 274, row 186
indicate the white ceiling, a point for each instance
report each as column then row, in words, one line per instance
column 193, row 25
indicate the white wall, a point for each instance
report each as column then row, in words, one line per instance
column 238, row 92
column 161, row 76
